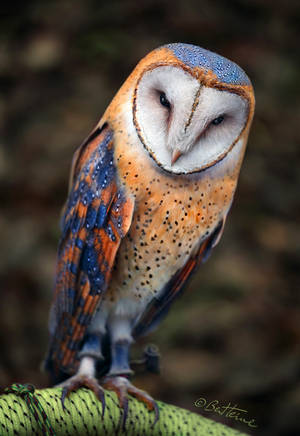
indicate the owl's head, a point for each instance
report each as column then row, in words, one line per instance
column 191, row 107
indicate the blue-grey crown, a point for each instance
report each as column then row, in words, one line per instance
column 194, row 56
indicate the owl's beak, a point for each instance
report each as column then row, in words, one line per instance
column 175, row 156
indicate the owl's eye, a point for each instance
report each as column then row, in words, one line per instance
column 218, row 120
column 164, row 101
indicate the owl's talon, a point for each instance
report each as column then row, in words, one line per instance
column 122, row 387
column 78, row 381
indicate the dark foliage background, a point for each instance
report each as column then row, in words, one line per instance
column 234, row 336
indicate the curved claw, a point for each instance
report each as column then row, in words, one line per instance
column 147, row 399
column 82, row 380
column 122, row 387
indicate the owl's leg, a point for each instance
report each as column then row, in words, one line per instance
column 117, row 378
column 92, row 346
column 120, row 339
column 86, row 373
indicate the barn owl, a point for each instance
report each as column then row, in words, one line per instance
column 150, row 190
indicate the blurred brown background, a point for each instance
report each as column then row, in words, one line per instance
column 234, row 336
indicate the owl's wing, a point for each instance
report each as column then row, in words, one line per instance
column 96, row 217
column 159, row 306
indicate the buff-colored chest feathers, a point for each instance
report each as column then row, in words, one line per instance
column 172, row 216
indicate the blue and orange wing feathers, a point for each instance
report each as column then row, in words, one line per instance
column 159, row 306
column 96, row 217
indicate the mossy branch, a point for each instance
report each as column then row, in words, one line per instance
column 83, row 416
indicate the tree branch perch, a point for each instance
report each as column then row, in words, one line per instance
column 83, row 416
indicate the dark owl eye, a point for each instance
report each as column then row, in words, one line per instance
column 164, row 101
column 218, row 120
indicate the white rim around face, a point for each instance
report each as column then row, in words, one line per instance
column 188, row 125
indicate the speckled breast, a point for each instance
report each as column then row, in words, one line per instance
column 173, row 214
